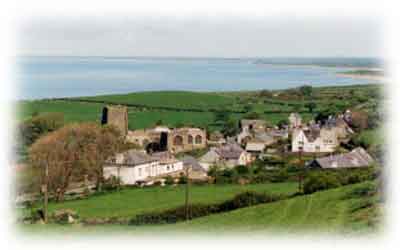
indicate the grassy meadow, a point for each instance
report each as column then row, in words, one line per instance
column 333, row 211
column 132, row 201
column 197, row 108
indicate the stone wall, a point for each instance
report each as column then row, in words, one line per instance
column 116, row 116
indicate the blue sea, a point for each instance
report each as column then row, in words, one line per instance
column 50, row 77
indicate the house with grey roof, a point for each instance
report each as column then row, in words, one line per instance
column 314, row 140
column 228, row 155
column 196, row 171
column 357, row 158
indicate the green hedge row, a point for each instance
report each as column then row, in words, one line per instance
column 175, row 215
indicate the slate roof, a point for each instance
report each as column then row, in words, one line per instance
column 255, row 146
column 191, row 161
column 229, row 151
column 164, row 157
column 133, row 157
column 354, row 159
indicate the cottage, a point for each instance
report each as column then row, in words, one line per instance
column 196, row 171
column 340, row 126
column 135, row 166
column 255, row 147
column 216, row 139
column 228, row 155
column 314, row 140
column 357, row 158
column 252, row 125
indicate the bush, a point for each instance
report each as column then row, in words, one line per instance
column 368, row 189
column 65, row 216
column 182, row 179
column 198, row 210
column 111, row 183
column 319, row 181
column 169, row 180
column 280, row 176
column 242, row 170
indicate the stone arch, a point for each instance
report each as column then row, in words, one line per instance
column 178, row 140
column 198, row 139
column 190, row 139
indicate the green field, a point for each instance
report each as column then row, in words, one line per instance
column 328, row 211
column 322, row 211
column 130, row 202
column 170, row 99
column 193, row 108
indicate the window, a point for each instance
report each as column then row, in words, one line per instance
column 167, row 168
column 190, row 139
column 198, row 139
column 178, row 140
column 140, row 172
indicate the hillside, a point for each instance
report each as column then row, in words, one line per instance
column 344, row 210
column 129, row 202
column 326, row 211
column 197, row 108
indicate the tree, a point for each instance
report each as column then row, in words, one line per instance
column 107, row 142
column 252, row 115
column 311, row 106
column 306, row 90
column 221, row 116
column 247, row 108
column 71, row 152
column 230, row 128
column 359, row 120
column 282, row 123
column 31, row 129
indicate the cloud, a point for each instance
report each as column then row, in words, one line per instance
column 201, row 36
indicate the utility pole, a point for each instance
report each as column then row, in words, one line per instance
column 187, row 194
column 45, row 192
column 300, row 171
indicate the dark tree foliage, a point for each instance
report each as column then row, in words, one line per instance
column 306, row 90
column 230, row 128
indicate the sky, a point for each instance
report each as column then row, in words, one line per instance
column 159, row 36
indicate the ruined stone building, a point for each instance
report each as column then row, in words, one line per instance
column 186, row 139
column 116, row 116
column 174, row 140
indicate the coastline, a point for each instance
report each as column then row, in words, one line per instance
column 366, row 77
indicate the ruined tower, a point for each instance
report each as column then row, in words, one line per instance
column 116, row 116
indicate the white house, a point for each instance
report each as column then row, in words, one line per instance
column 136, row 166
column 314, row 140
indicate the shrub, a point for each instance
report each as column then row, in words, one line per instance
column 65, row 216
column 242, row 170
column 169, row 180
column 319, row 181
column 182, row 179
column 198, row 210
column 280, row 175
column 111, row 183
column 367, row 189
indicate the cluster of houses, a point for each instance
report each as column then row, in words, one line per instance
column 160, row 144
